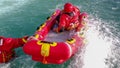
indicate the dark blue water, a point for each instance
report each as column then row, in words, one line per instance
column 21, row 17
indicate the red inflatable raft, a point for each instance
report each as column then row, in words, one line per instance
column 51, row 47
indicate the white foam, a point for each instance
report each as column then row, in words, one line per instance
column 5, row 65
column 9, row 5
column 97, row 49
column 115, row 8
column 95, row 53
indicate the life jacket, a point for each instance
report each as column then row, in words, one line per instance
column 6, row 56
column 7, row 52
column 69, row 14
column 68, row 23
column 73, row 21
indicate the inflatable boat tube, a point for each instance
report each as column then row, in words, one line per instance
column 51, row 47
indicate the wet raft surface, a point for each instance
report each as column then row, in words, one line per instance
column 58, row 37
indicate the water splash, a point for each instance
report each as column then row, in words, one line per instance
column 102, row 50
column 98, row 48
column 20, row 62
column 4, row 65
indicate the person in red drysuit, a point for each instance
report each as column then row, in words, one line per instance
column 83, row 19
column 69, row 18
column 7, row 46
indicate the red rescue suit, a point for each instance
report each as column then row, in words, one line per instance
column 69, row 21
column 7, row 46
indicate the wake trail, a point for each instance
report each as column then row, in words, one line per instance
column 98, row 47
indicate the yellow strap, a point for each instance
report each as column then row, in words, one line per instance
column 24, row 40
column 42, row 25
column 53, row 44
column 84, row 23
column 45, row 49
column 81, row 34
column 49, row 18
column 3, row 57
column 44, row 61
column 71, row 41
column 54, row 13
column 37, row 36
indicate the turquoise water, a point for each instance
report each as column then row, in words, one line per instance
column 21, row 17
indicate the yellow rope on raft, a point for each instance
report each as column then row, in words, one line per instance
column 45, row 49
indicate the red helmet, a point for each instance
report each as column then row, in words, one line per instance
column 68, row 7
